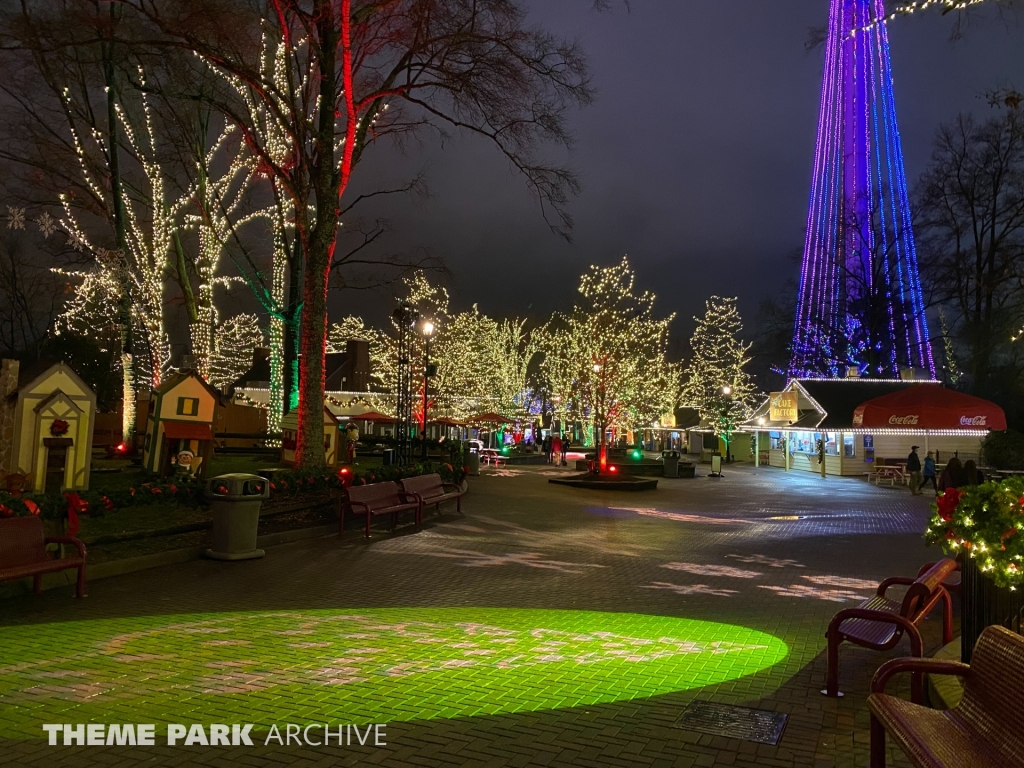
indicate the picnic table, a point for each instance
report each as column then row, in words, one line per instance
column 890, row 473
column 492, row 456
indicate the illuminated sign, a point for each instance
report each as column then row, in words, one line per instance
column 782, row 406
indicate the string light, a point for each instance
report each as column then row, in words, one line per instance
column 605, row 362
column 237, row 337
column 859, row 255
column 918, row 5
column 717, row 382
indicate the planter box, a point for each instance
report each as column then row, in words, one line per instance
column 983, row 604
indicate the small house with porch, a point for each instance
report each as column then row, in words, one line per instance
column 47, row 415
column 290, row 433
column 865, row 423
column 181, row 415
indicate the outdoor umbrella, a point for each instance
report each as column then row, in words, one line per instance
column 491, row 418
column 929, row 407
column 446, row 422
column 374, row 416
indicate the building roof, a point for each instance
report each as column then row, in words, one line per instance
column 687, row 417
column 258, row 373
column 828, row 404
column 839, row 398
column 334, row 366
column 170, row 382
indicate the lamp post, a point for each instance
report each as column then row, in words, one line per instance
column 428, row 371
column 727, row 418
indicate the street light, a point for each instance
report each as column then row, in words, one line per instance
column 727, row 391
column 427, row 329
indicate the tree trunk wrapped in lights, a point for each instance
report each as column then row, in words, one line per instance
column 357, row 71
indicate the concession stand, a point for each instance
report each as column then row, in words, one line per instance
column 867, row 423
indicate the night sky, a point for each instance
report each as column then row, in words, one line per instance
column 695, row 159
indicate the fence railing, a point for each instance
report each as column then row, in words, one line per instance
column 983, row 604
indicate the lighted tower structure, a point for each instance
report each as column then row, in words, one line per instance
column 860, row 301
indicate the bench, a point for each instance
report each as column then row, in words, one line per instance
column 23, row 553
column 880, row 623
column 430, row 490
column 379, row 499
column 985, row 730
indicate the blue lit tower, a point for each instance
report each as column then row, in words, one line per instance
column 860, row 301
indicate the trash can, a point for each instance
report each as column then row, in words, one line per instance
column 473, row 462
column 389, row 457
column 235, row 500
column 670, row 462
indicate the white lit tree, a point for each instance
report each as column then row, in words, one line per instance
column 236, row 340
column 717, row 382
column 605, row 362
column 350, row 327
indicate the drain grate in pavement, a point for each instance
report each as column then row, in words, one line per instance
column 758, row 725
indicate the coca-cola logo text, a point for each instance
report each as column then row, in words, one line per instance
column 973, row 421
column 904, row 420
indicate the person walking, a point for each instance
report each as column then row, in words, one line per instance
column 547, row 449
column 952, row 475
column 914, row 468
column 928, row 471
column 556, row 446
column 565, row 449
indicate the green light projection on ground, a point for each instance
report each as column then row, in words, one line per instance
column 357, row 665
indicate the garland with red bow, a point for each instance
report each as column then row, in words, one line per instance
column 987, row 522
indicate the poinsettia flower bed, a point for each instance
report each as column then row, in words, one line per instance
column 302, row 482
column 71, row 505
column 987, row 522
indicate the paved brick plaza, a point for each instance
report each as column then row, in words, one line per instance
column 545, row 626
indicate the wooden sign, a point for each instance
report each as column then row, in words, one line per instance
column 782, row 406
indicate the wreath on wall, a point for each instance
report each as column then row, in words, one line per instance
column 58, row 428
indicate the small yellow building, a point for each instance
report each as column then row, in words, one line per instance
column 181, row 414
column 290, row 431
column 46, row 423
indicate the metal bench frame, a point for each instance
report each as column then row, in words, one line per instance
column 985, row 729
column 381, row 501
column 25, row 537
column 880, row 623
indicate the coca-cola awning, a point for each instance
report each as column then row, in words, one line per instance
column 929, row 406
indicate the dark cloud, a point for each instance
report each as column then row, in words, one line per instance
column 695, row 160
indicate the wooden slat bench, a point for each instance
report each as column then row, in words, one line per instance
column 379, row 499
column 880, row 623
column 23, row 553
column 431, row 491
column 985, row 730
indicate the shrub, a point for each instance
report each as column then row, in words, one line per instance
column 987, row 522
column 1004, row 450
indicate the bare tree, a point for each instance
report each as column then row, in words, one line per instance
column 971, row 207
column 356, row 71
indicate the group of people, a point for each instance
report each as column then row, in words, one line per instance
column 954, row 474
column 555, row 448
